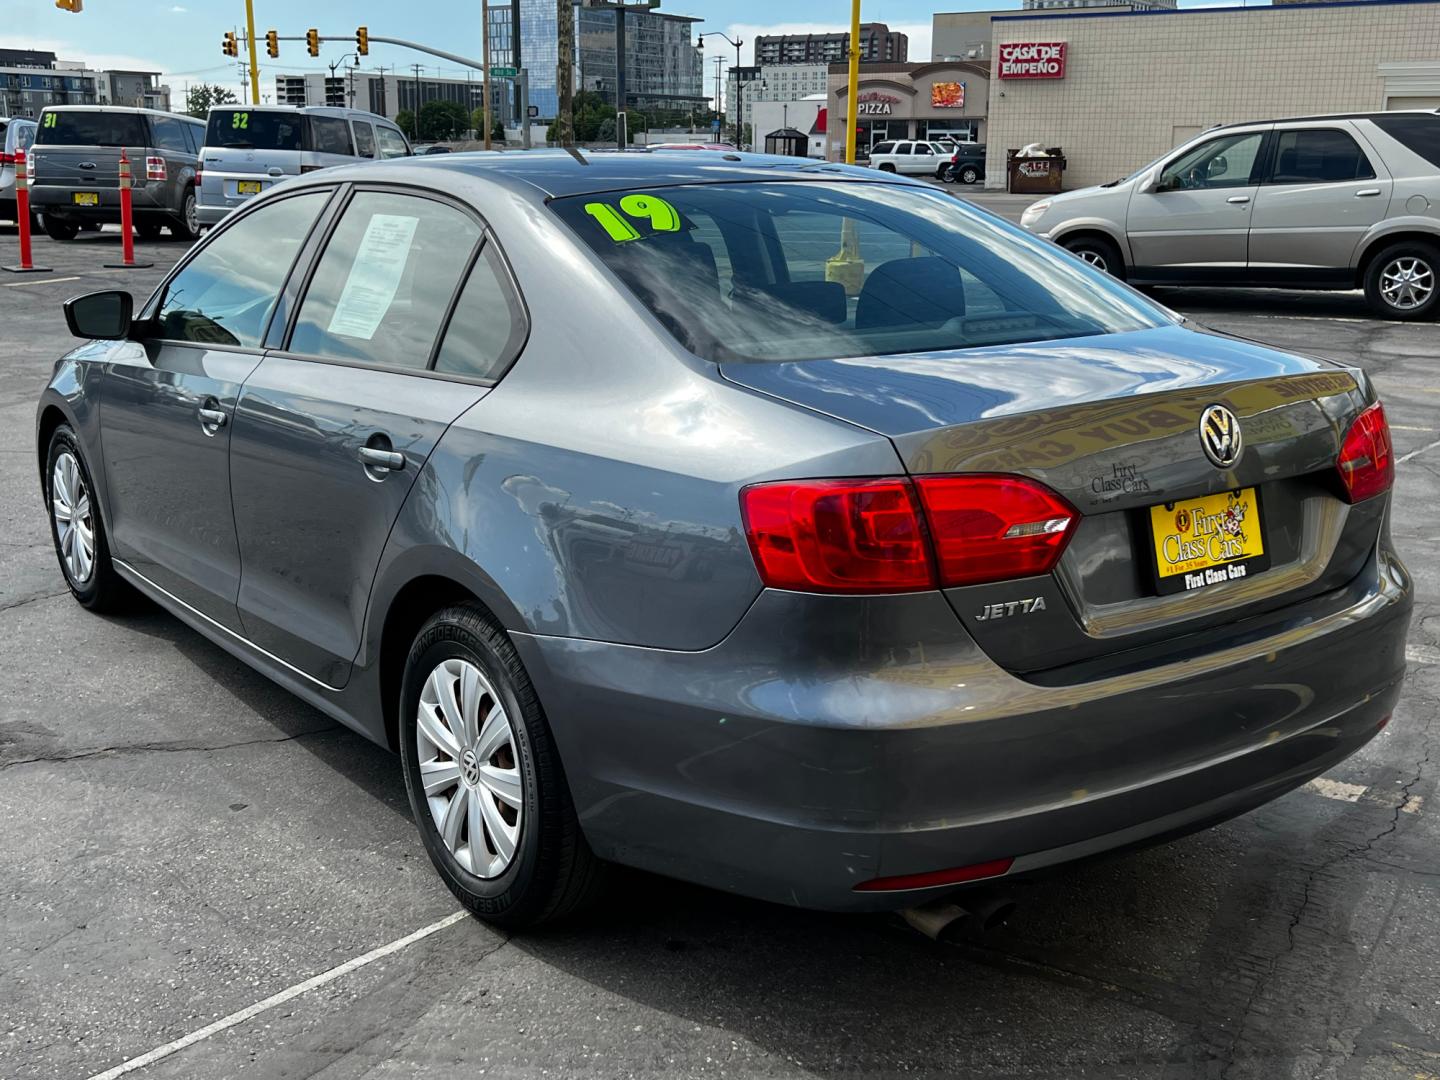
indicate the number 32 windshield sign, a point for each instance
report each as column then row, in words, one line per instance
column 1032, row 60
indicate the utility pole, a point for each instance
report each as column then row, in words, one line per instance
column 254, row 63
column 418, row 103
column 565, row 72
column 485, row 59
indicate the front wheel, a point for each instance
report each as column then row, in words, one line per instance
column 76, row 528
column 1099, row 253
column 485, row 782
column 1401, row 282
column 58, row 228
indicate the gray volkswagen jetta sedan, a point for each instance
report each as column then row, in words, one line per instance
column 790, row 528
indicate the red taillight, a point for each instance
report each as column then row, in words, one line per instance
column 5, row 159
column 856, row 536
column 837, row 536
column 956, row 876
column 1367, row 460
column 199, row 177
column 993, row 528
column 154, row 168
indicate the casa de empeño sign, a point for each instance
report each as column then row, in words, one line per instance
column 1031, row 60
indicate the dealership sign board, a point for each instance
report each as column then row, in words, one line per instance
column 1032, row 60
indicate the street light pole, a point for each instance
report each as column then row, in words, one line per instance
column 852, row 97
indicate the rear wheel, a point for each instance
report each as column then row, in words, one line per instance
column 1403, row 281
column 187, row 226
column 76, row 528
column 1099, row 253
column 58, row 228
column 485, row 782
column 885, row 166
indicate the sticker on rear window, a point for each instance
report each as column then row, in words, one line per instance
column 660, row 214
column 239, row 120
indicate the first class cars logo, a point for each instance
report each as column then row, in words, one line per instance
column 1031, row 60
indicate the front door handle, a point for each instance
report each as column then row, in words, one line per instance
column 1366, row 193
column 211, row 419
column 382, row 460
column 1238, row 199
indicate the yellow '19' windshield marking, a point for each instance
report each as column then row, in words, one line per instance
column 662, row 216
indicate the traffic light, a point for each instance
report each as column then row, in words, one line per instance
column 228, row 46
column 70, row 5
column 362, row 40
column 272, row 43
column 312, row 41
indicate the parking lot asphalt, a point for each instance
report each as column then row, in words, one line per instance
column 182, row 842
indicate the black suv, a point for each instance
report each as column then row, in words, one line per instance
column 967, row 164
column 77, row 169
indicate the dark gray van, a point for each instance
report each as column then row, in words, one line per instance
column 77, row 169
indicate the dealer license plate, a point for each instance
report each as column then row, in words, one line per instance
column 247, row 187
column 87, row 198
column 1207, row 540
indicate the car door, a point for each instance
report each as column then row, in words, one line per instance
column 333, row 428
column 1192, row 220
column 330, row 139
column 922, row 161
column 165, row 419
column 1321, row 192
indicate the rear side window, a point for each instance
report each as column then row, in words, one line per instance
column 170, row 135
column 392, row 143
column 1418, row 134
column 224, row 295
column 827, row 270
column 1318, row 156
column 364, row 138
column 247, row 129
column 330, row 135
column 884, row 148
column 92, row 128
column 901, row 148
column 385, row 281
column 488, row 326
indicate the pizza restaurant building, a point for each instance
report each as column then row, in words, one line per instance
column 940, row 100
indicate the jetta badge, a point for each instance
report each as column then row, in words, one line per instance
column 1220, row 436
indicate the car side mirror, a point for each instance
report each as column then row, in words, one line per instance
column 103, row 315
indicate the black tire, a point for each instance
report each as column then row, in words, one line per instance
column 58, row 228
column 103, row 589
column 1409, row 256
column 187, row 226
column 886, row 166
column 969, row 174
column 553, row 873
column 147, row 229
column 1099, row 253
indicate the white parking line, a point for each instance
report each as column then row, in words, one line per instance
column 40, row 281
column 283, row 996
column 1416, row 453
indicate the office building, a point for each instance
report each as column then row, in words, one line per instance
column 388, row 94
column 773, row 83
column 878, row 43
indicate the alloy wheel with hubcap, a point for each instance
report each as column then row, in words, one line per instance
column 74, row 519
column 1407, row 282
column 1401, row 281
column 465, row 749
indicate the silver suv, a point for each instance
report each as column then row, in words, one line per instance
column 1322, row 202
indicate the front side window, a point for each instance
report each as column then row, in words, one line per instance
column 382, row 287
column 1225, row 162
column 392, row 143
column 825, row 270
column 1318, row 156
column 364, row 139
column 923, row 148
column 330, row 135
column 225, row 294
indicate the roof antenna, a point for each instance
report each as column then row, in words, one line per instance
column 576, row 155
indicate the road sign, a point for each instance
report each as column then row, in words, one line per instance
column 503, row 72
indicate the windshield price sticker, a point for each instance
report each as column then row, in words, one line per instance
column 239, row 120
column 660, row 214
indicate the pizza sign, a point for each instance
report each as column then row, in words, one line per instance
column 1031, row 60
column 874, row 103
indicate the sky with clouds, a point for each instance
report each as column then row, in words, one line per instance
column 182, row 39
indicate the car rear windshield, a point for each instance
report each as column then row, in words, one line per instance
column 1418, row 133
column 255, row 129
column 92, row 128
column 803, row 271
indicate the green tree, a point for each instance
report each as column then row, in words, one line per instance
column 442, row 120
column 606, row 131
column 202, row 96
column 405, row 121
column 590, row 111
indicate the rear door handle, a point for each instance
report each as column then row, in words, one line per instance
column 1365, row 193
column 1238, row 199
column 382, row 460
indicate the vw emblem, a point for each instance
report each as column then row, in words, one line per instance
column 470, row 768
column 1220, row 436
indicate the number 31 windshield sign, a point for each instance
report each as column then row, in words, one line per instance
column 1032, row 60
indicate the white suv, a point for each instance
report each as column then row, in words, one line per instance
column 914, row 157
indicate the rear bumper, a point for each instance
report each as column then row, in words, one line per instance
column 831, row 741
column 59, row 202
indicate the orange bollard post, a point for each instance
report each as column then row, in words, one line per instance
column 22, row 219
column 127, row 230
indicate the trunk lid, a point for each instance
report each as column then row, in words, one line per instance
column 1112, row 424
column 84, row 167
